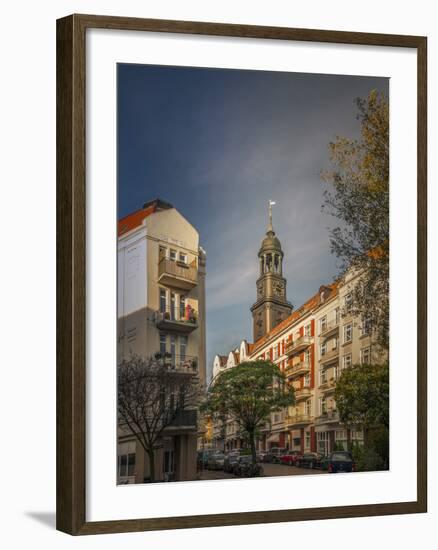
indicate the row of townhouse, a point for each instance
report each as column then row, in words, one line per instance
column 311, row 346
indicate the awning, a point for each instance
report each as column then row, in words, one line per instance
column 273, row 438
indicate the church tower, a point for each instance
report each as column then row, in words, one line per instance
column 271, row 306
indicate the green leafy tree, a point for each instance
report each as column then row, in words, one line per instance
column 359, row 200
column 249, row 392
column 362, row 399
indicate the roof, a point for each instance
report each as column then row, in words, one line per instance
column 308, row 306
column 135, row 219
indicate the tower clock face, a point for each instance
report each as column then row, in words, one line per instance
column 278, row 288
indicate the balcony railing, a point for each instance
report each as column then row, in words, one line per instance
column 302, row 367
column 299, row 419
column 329, row 328
column 298, row 345
column 185, row 364
column 328, row 385
column 187, row 419
column 330, row 415
column 302, row 393
column 329, row 355
column 177, row 274
column 182, row 319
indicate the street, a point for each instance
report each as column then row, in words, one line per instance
column 268, row 471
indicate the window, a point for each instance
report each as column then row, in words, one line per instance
column 163, row 300
column 365, row 356
column 323, row 405
column 366, row 326
column 307, row 381
column 182, row 257
column 126, row 464
column 308, row 407
column 163, row 252
column 323, row 349
column 341, row 439
column 356, row 437
column 348, row 301
column 172, row 305
column 172, row 255
column 182, row 307
column 348, row 333
column 337, row 315
column 322, row 442
column 334, row 343
column 162, row 344
column 307, row 357
column 307, row 440
column 322, row 376
column 183, row 347
column 323, row 324
column 307, row 330
column 346, row 361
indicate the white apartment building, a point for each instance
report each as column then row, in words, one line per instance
column 161, row 310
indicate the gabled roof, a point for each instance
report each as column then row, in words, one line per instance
column 135, row 219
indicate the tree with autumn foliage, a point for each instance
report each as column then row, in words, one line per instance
column 359, row 200
column 249, row 393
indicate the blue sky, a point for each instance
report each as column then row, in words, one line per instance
column 218, row 144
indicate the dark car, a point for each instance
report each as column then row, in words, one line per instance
column 245, row 468
column 309, row 460
column 339, row 461
column 290, row 458
column 203, row 457
column 230, row 461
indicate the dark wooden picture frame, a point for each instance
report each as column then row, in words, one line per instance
column 71, row 271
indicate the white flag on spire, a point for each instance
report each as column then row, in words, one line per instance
column 271, row 203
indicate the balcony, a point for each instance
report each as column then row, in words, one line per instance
column 328, row 385
column 303, row 367
column 180, row 364
column 177, row 274
column 329, row 356
column 298, row 345
column 299, row 420
column 302, row 393
column 182, row 319
column 184, row 420
column 329, row 329
column 331, row 415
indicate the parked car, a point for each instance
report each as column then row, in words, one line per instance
column 261, row 456
column 273, row 455
column 290, row 458
column 230, row 461
column 338, row 461
column 203, row 457
column 309, row 460
column 216, row 461
column 245, row 468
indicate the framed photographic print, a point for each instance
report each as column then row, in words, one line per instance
column 241, row 288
